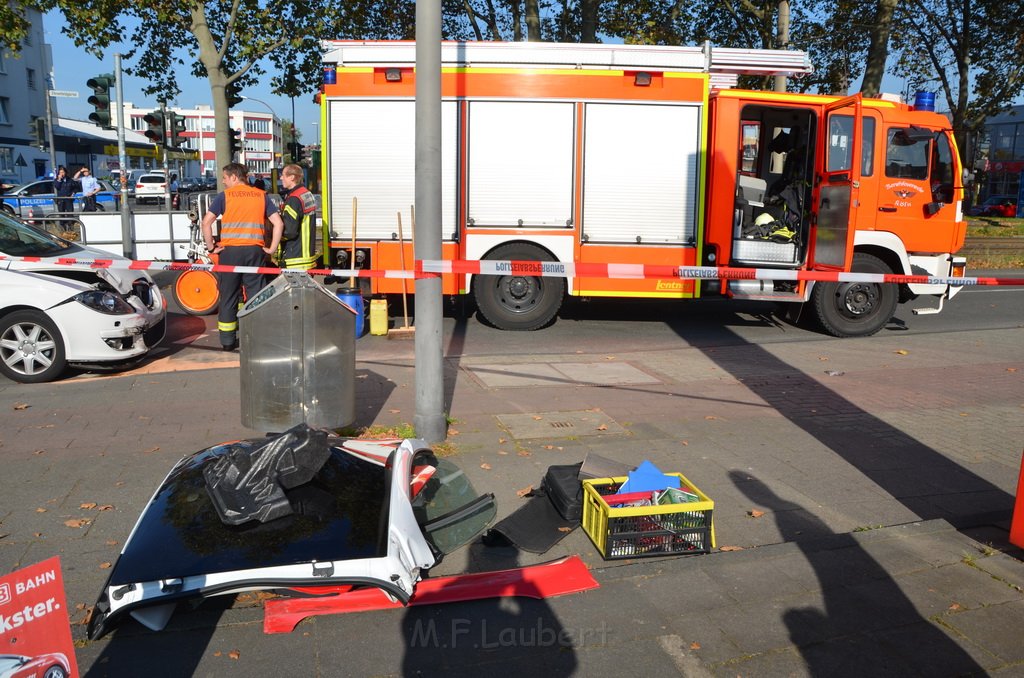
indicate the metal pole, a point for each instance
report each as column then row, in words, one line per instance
column 49, row 134
column 429, row 418
column 127, row 245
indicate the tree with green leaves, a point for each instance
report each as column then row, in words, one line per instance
column 231, row 43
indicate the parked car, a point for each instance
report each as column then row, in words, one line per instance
column 53, row 315
column 37, row 198
column 151, row 187
column 51, row 665
column 995, row 206
column 190, row 184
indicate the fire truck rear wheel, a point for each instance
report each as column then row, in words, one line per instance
column 856, row 309
column 518, row 302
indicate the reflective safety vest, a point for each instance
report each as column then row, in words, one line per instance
column 244, row 216
column 298, row 245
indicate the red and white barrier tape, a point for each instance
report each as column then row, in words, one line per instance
column 553, row 269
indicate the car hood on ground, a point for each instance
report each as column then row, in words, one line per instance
column 298, row 509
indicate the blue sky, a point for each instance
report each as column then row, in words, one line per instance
column 72, row 67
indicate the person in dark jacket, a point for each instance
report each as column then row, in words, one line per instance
column 64, row 188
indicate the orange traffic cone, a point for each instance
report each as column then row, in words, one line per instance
column 1017, row 521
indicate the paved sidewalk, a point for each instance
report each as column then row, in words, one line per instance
column 862, row 505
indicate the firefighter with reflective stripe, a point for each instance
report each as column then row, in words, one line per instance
column 298, row 244
column 243, row 211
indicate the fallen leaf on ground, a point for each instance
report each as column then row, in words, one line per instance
column 754, row 513
column 77, row 522
column 731, row 548
column 524, row 453
column 901, row 351
column 217, row 653
column 21, row 406
column 234, row 654
column 394, row 411
column 1011, row 369
column 485, row 466
column 823, row 358
column 40, row 510
column 453, row 432
column 501, row 441
column 104, row 507
column 537, row 417
column 88, row 505
column 695, row 645
column 104, row 566
column 609, row 357
column 152, row 449
column 503, row 453
column 565, row 529
column 710, row 417
column 4, row 534
column 685, row 442
column 525, row 491
column 955, row 606
column 37, row 534
column 37, row 452
column 602, row 427
column 549, row 447
column 111, row 542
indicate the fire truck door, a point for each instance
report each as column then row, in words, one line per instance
column 838, row 185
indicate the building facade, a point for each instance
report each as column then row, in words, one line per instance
column 261, row 138
column 1001, row 154
column 24, row 81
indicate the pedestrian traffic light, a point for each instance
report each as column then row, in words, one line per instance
column 156, row 133
column 100, row 99
column 37, row 130
column 233, row 93
column 177, row 123
column 236, row 141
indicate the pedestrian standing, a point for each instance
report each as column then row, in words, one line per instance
column 64, row 188
column 243, row 211
column 90, row 187
column 298, row 211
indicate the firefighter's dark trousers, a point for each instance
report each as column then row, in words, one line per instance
column 230, row 287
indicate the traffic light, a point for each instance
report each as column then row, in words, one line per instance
column 295, row 150
column 100, row 100
column 177, row 123
column 233, row 94
column 37, row 130
column 156, row 133
column 236, row 141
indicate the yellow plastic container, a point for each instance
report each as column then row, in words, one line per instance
column 641, row 531
column 379, row 317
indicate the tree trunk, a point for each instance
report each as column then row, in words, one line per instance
column 783, row 41
column 878, row 51
column 588, row 29
column 532, row 21
column 210, row 57
column 517, row 20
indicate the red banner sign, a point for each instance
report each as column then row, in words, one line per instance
column 35, row 632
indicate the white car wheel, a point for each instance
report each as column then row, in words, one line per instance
column 31, row 348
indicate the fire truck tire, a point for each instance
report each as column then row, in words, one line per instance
column 196, row 292
column 856, row 309
column 518, row 302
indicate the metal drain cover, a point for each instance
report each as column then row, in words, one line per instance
column 560, row 424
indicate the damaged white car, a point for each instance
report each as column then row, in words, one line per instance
column 291, row 511
column 54, row 314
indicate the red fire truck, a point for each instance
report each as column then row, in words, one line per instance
column 622, row 154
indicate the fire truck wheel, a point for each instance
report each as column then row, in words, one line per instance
column 856, row 309
column 518, row 302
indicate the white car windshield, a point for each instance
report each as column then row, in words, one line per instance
column 18, row 239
